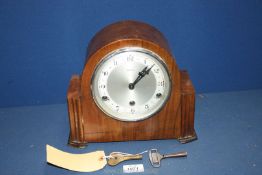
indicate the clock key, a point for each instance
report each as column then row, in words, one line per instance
column 116, row 157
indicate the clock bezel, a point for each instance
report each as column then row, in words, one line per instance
column 132, row 49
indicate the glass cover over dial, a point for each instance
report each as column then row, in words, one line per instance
column 131, row 84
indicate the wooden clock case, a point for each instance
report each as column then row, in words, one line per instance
column 89, row 124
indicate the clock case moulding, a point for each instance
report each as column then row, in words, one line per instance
column 89, row 124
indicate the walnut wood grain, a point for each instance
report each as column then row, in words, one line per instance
column 89, row 124
column 187, row 108
column 76, row 137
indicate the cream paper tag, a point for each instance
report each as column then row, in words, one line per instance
column 87, row 162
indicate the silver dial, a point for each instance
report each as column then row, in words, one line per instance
column 131, row 84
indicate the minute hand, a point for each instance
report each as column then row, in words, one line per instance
column 141, row 74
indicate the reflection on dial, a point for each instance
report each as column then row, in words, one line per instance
column 112, row 77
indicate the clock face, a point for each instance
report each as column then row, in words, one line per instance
column 131, row 84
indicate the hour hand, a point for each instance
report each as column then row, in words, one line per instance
column 148, row 70
column 141, row 74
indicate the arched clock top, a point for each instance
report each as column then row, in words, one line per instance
column 125, row 30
